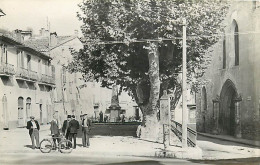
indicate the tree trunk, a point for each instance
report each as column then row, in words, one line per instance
column 151, row 129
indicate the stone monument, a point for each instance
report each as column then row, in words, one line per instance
column 114, row 107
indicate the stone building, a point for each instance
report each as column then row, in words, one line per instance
column 26, row 82
column 229, row 99
column 71, row 94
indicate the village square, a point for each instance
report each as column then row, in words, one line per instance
column 129, row 82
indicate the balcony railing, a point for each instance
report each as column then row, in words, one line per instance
column 6, row 69
column 33, row 75
column 47, row 79
column 27, row 74
column 22, row 73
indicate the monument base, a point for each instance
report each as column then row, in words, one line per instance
column 181, row 153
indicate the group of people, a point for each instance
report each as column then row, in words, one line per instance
column 69, row 130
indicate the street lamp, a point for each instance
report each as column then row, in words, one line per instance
column 184, row 88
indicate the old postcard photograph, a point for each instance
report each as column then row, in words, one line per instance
column 146, row 82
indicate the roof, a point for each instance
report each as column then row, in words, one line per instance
column 42, row 44
column 9, row 38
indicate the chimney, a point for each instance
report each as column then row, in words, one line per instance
column 53, row 39
column 44, row 32
column 76, row 32
column 18, row 35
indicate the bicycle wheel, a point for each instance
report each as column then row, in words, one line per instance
column 45, row 146
column 65, row 146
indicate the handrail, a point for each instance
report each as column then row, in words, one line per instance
column 192, row 134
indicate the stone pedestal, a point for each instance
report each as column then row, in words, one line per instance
column 165, row 118
column 114, row 107
column 238, row 117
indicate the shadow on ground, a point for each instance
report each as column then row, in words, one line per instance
column 222, row 142
column 147, row 162
column 244, row 161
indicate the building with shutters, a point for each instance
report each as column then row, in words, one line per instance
column 26, row 82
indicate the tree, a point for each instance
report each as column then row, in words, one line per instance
column 137, row 44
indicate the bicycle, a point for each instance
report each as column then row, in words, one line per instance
column 64, row 146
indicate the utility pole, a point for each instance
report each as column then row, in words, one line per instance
column 184, row 88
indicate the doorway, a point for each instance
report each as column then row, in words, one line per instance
column 28, row 108
column 5, row 112
column 20, row 112
column 227, row 109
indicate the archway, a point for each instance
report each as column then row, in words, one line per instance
column 28, row 108
column 227, row 111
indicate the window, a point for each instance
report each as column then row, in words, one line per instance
column 236, row 42
column 53, row 71
column 224, row 52
column 4, row 54
column 22, row 59
column 29, row 62
column 39, row 67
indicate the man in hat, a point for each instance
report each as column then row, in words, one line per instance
column 65, row 127
column 34, row 128
column 86, row 123
column 55, row 132
column 73, row 127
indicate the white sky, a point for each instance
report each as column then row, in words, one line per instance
column 21, row 14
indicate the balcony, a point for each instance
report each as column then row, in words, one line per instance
column 6, row 69
column 22, row 73
column 47, row 79
column 27, row 75
column 33, row 75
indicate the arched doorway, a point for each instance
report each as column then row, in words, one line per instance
column 5, row 112
column 204, row 108
column 28, row 108
column 20, row 112
column 227, row 111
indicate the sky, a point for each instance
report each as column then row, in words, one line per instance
column 21, row 14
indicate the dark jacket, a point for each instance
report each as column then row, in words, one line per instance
column 64, row 127
column 29, row 126
column 73, row 126
column 54, row 128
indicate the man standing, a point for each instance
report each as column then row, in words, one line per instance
column 85, row 131
column 34, row 128
column 65, row 127
column 73, row 128
column 55, row 132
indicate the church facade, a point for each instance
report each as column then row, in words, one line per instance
column 228, row 101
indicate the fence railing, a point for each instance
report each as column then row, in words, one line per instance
column 7, row 69
column 191, row 134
